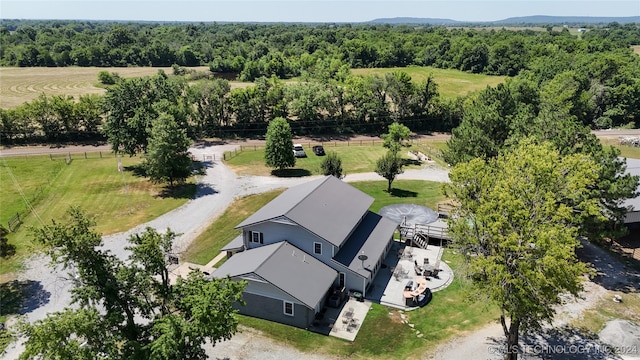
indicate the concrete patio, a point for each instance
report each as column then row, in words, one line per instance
column 343, row 322
column 388, row 288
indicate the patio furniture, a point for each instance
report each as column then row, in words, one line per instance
column 436, row 269
column 417, row 268
column 408, row 253
column 398, row 272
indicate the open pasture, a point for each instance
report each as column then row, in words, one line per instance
column 20, row 85
column 451, row 83
column 42, row 188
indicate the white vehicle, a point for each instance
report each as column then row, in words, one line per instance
column 298, row 151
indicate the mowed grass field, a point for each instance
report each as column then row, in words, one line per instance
column 451, row 83
column 117, row 200
column 20, row 85
column 357, row 157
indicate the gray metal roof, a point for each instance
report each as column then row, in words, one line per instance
column 236, row 244
column 286, row 267
column 370, row 239
column 328, row 207
column 633, row 168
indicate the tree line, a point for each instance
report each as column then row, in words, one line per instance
column 289, row 50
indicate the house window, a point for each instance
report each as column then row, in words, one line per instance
column 257, row 237
column 288, row 308
column 317, row 248
column 342, row 280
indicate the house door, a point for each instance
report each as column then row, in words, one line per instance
column 341, row 280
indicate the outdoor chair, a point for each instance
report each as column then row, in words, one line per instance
column 436, row 269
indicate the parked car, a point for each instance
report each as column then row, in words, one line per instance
column 318, row 150
column 298, row 151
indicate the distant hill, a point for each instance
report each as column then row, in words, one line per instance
column 528, row 20
column 413, row 20
column 543, row 19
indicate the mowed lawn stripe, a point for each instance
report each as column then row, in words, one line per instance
column 93, row 184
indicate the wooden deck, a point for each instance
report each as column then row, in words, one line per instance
column 420, row 234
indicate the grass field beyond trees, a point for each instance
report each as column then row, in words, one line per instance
column 118, row 200
column 451, row 83
column 23, row 84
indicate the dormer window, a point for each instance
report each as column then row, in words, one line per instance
column 257, row 237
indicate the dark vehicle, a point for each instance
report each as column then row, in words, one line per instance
column 318, row 150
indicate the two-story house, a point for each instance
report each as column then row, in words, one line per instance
column 309, row 240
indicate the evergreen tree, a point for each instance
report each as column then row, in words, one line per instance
column 278, row 151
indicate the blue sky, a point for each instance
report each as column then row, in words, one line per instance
column 306, row 10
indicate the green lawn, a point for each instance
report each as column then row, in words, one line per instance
column 451, row 83
column 625, row 150
column 117, row 200
column 356, row 158
column 383, row 335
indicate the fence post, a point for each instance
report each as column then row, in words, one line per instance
column 85, row 154
column 50, row 157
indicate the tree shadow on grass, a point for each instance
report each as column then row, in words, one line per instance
column 136, row 170
column 21, row 297
column 403, row 193
column 287, row 173
column 182, row 191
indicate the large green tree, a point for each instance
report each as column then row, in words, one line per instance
column 278, row 152
column 517, row 223
column 131, row 105
column 167, row 158
column 394, row 139
column 500, row 118
column 389, row 166
column 128, row 309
